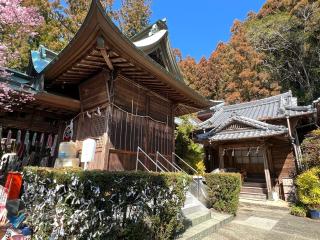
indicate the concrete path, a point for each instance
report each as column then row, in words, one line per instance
column 254, row 223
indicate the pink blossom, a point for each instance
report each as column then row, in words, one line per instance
column 10, row 99
column 25, row 20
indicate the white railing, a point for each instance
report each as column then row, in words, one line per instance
column 174, row 155
column 160, row 166
column 138, row 161
column 158, row 154
column 195, row 179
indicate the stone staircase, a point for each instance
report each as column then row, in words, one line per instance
column 254, row 188
column 200, row 222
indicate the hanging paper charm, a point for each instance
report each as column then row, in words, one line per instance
column 68, row 132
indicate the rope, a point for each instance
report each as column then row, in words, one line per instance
column 125, row 142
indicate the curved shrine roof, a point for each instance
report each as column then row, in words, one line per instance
column 83, row 58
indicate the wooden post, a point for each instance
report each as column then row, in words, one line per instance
column 221, row 158
column 106, row 136
column 270, row 160
column 267, row 172
column 297, row 156
column 172, row 114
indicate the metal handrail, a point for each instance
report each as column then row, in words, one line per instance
column 158, row 162
column 195, row 171
column 197, row 181
column 143, row 165
column 148, row 157
column 172, row 165
column 177, row 166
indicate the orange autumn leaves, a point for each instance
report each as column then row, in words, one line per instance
column 234, row 71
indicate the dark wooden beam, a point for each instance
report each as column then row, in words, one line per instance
column 118, row 60
column 79, row 72
column 95, row 63
column 66, row 103
column 136, row 74
column 75, row 75
column 87, row 66
column 83, row 69
column 94, row 58
column 106, row 58
column 125, row 64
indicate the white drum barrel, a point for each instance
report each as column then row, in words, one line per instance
column 67, row 150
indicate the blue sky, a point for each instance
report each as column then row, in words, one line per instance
column 196, row 27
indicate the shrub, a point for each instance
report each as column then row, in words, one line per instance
column 77, row 204
column 308, row 184
column 186, row 148
column 298, row 210
column 223, row 191
column 200, row 167
column 311, row 150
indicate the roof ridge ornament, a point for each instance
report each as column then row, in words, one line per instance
column 154, row 29
column 102, row 47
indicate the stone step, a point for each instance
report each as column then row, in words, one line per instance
column 196, row 218
column 217, row 236
column 255, row 180
column 254, row 184
column 246, row 189
column 279, row 205
column 255, row 196
column 189, row 200
column 192, row 208
column 201, row 230
column 192, row 205
column 223, row 234
column 206, row 228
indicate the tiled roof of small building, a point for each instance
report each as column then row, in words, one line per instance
column 250, row 129
column 274, row 107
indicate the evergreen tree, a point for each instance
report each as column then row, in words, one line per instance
column 186, row 148
column 289, row 37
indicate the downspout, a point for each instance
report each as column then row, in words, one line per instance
column 292, row 139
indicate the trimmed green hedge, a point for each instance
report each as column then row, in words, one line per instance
column 224, row 191
column 77, row 204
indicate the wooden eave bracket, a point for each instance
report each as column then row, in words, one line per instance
column 102, row 47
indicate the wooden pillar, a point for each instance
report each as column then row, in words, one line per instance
column 109, row 114
column 221, row 158
column 146, row 132
column 270, row 161
column 292, row 139
column 267, row 172
column 172, row 114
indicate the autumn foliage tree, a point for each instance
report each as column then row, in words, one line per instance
column 245, row 77
column 276, row 49
column 234, row 72
column 134, row 15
